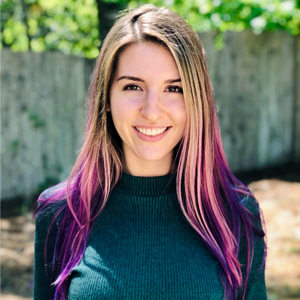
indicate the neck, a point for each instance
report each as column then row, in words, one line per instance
column 146, row 168
column 146, row 186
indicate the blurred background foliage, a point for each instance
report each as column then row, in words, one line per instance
column 78, row 26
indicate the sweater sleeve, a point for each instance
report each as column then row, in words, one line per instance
column 256, row 287
column 43, row 268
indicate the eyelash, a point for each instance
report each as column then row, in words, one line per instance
column 176, row 87
column 126, row 87
column 129, row 87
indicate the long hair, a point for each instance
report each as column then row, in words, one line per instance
column 209, row 195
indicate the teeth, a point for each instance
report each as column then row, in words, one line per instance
column 151, row 132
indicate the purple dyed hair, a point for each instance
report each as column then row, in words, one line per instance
column 208, row 193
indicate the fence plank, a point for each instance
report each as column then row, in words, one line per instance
column 43, row 119
column 253, row 84
column 296, row 137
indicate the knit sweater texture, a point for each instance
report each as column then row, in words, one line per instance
column 142, row 247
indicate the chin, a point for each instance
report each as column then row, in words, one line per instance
column 151, row 158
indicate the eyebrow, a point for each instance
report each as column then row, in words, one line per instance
column 141, row 80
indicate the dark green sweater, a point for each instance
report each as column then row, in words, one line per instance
column 141, row 247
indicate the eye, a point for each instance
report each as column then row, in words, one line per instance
column 174, row 89
column 131, row 87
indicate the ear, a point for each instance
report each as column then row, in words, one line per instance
column 107, row 107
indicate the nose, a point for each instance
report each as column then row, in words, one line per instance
column 152, row 108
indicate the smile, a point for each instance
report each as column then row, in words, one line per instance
column 151, row 132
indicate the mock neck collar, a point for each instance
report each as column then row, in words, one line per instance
column 146, row 186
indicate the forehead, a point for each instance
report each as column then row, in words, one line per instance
column 147, row 58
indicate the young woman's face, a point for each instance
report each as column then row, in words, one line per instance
column 148, row 108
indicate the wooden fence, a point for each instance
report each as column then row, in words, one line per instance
column 256, row 82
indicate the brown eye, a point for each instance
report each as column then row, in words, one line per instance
column 131, row 87
column 174, row 89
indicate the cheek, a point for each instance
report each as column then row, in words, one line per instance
column 123, row 111
column 183, row 114
column 178, row 113
column 182, row 119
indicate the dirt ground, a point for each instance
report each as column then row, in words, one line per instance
column 278, row 198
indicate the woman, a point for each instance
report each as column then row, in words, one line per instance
column 151, row 210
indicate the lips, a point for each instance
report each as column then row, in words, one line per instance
column 151, row 138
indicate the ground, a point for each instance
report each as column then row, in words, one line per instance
column 279, row 199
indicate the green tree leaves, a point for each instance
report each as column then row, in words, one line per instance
column 65, row 25
column 72, row 26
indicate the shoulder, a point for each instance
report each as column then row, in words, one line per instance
column 48, row 216
column 250, row 203
column 51, row 201
column 252, row 248
column 49, row 211
column 252, row 232
column 253, row 211
column 47, row 228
